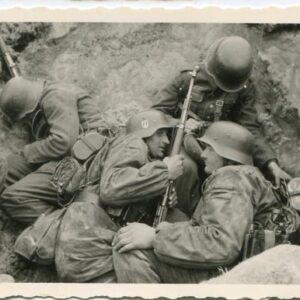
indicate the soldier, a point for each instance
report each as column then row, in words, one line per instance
column 135, row 174
column 56, row 114
column 235, row 195
column 223, row 90
column 136, row 171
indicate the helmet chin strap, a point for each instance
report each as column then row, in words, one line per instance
column 210, row 78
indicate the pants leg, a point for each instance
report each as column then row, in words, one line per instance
column 28, row 198
column 17, row 168
column 188, row 185
column 136, row 267
column 142, row 266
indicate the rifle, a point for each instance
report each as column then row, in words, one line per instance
column 11, row 66
column 162, row 209
column 39, row 125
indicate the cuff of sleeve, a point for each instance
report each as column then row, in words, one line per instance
column 265, row 166
column 26, row 153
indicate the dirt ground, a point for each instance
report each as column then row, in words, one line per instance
column 123, row 65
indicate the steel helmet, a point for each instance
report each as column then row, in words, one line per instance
column 147, row 122
column 229, row 61
column 19, row 97
column 230, row 141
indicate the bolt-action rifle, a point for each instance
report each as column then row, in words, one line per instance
column 162, row 208
column 11, row 66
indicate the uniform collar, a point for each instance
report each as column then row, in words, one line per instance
column 203, row 81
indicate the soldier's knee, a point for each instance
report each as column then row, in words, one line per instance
column 8, row 200
column 123, row 264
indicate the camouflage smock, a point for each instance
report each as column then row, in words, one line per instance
column 233, row 197
column 66, row 109
column 238, row 107
column 129, row 175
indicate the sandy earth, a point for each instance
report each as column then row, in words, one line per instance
column 124, row 65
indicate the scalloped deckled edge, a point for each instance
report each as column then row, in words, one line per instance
column 184, row 15
column 136, row 292
column 90, row 4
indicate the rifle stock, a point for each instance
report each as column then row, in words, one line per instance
column 11, row 66
column 162, row 208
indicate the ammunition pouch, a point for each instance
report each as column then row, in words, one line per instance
column 70, row 175
column 68, row 178
column 87, row 145
column 280, row 227
column 258, row 240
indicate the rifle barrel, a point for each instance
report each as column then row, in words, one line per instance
column 162, row 208
column 11, row 66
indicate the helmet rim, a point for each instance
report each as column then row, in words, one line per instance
column 234, row 142
column 229, row 73
column 143, row 126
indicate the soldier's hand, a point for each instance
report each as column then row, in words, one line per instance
column 277, row 173
column 192, row 125
column 175, row 166
column 173, row 199
column 134, row 236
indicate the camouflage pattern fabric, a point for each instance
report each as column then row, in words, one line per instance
column 83, row 251
column 233, row 198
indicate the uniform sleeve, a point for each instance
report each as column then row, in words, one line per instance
column 167, row 99
column 64, row 125
column 247, row 117
column 128, row 177
column 90, row 114
column 215, row 236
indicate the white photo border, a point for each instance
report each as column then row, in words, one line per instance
column 122, row 291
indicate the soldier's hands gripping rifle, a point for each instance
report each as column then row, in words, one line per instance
column 7, row 59
column 162, row 208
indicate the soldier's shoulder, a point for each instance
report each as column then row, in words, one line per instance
column 227, row 177
column 242, row 171
column 224, row 176
column 228, row 172
column 64, row 87
column 186, row 73
column 186, row 70
column 189, row 69
column 234, row 172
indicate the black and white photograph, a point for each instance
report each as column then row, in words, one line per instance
column 150, row 153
